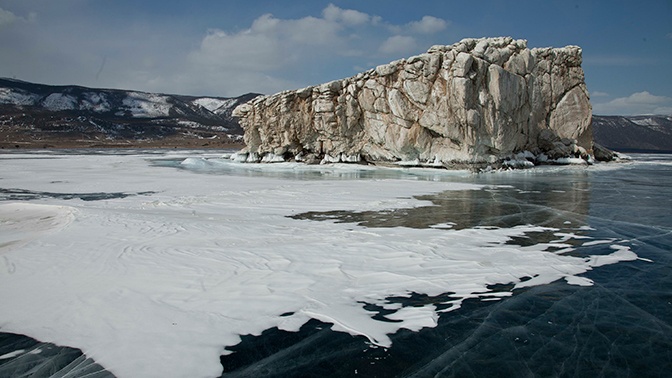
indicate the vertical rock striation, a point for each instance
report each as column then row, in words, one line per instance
column 479, row 100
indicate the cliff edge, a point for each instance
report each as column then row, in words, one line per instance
column 476, row 101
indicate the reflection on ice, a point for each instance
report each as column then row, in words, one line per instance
column 159, row 285
column 301, row 171
column 489, row 207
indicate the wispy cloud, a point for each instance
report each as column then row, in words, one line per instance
column 346, row 16
column 639, row 103
column 6, row 17
column 428, row 25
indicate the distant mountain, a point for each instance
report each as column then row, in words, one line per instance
column 634, row 133
column 36, row 115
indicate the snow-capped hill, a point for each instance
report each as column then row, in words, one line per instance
column 31, row 111
column 15, row 96
column 634, row 133
column 215, row 105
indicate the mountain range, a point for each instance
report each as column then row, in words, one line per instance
column 46, row 116
column 646, row 133
column 43, row 116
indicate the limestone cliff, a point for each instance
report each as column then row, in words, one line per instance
column 478, row 100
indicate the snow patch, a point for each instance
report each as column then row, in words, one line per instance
column 147, row 105
column 644, row 121
column 17, row 97
column 213, row 104
column 59, row 101
column 96, row 102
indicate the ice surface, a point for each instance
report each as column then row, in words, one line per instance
column 159, row 285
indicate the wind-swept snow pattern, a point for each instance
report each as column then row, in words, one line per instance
column 161, row 284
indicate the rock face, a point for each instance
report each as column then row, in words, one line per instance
column 479, row 100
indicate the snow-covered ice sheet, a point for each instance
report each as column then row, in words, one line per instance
column 160, row 284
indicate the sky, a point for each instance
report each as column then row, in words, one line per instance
column 229, row 48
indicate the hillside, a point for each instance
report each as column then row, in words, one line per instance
column 44, row 116
column 634, row 133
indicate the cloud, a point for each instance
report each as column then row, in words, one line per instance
column 428, row 25
column 277, row 54
column 39, row 42
column 265, row 53
column 398, row 44
column 6, row 17
column 347, row 16
column 639, row 103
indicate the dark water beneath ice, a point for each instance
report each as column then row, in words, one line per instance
column 13, row 194
column 619, row 327
column 22, row 356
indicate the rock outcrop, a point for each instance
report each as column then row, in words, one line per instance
column 476, row 101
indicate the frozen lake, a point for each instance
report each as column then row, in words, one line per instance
column 183, row 264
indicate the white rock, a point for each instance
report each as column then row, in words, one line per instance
column 467, row 102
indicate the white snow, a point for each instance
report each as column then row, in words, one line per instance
column 644, row 121
column 213, row 104
column 59, row 101
column 22, row 222
column 147, row 105
column 157, row 285
column 17, row 97
column 96, row 102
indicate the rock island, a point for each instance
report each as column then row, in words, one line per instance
column 478, row 101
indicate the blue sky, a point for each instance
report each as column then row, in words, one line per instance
column 228, row 48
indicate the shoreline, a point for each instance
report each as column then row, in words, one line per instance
column 89, row 144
